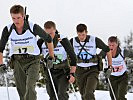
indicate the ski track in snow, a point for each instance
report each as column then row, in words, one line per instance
column 42, row 94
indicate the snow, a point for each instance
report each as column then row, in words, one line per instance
column 42, row 94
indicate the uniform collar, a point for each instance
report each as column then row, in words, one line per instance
column 55, row 40
column 25, row 27
column 86, row 40
column 117, row 52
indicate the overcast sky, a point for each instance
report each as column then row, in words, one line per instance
column 103, row 17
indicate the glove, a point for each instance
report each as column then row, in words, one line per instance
column 49, row 63
column 108, row 72
column 3, row 68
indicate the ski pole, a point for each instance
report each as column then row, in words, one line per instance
column 4, row 73
column 53, row 84
column 49, row 65
column 7, row 86
column 111, row 89
column 74, row 91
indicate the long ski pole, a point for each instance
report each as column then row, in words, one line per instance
column 53, row 84
column 111, row 89
column 74, row 91
column 5, row 76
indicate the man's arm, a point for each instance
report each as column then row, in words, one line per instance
column 69, row 49
column 39, row 43
column 109, row 57
column 51, row 49
column 1, row 58
column 100, row 44
column 102, row 54
column 71, row 41
column 47, row 38
column 3, row 41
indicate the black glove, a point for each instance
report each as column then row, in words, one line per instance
column 3, row 68
column 108, row 72
column 49, row 62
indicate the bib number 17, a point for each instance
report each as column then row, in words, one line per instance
column 22, row 50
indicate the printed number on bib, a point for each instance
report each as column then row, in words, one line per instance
column 23, row 49
column 58, row 58
column 84, row 56
column 117, row 68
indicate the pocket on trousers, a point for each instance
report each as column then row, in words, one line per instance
column 33, row 71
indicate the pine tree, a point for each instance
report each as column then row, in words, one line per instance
column 129, row 59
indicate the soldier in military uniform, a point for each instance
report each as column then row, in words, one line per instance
column 119, row 76
column 89, row 63
column 62, row 72
column 24, row 51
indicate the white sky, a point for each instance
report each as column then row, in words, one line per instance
column 103, row 17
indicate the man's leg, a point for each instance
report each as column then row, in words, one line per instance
column 91, row 84
column 114, row 83
column 49, row 86
column 123, row 87
column 20, row 79
column 50, row 90
column 32, row 77
column 81, row 80
column 62, row 87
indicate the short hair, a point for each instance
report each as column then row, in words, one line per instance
column 81, row 28
column 17, row 9
column 49, row 24
column 114, row 39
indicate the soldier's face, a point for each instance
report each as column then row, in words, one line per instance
column 82, row 35
column 51, row 31
column 18, row 19
column 112, row 45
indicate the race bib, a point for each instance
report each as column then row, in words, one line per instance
column 84, row 56
column 23, row 49
column 58, row 58
column 117, row 68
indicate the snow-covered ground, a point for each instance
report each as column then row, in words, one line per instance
column 42, row 94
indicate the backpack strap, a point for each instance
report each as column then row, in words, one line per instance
column 55, row 40
column 122, row 56
column 10, row 28
column 30, row 27
column 82, row 47
column 121, row 53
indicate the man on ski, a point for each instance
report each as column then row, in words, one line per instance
column 62, row 72
column 119, row 76
column 24, row 51
column 88, row 64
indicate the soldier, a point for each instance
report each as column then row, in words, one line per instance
column 24, row 51
column 62, row 74
column 88, row 61
column 119, row 76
